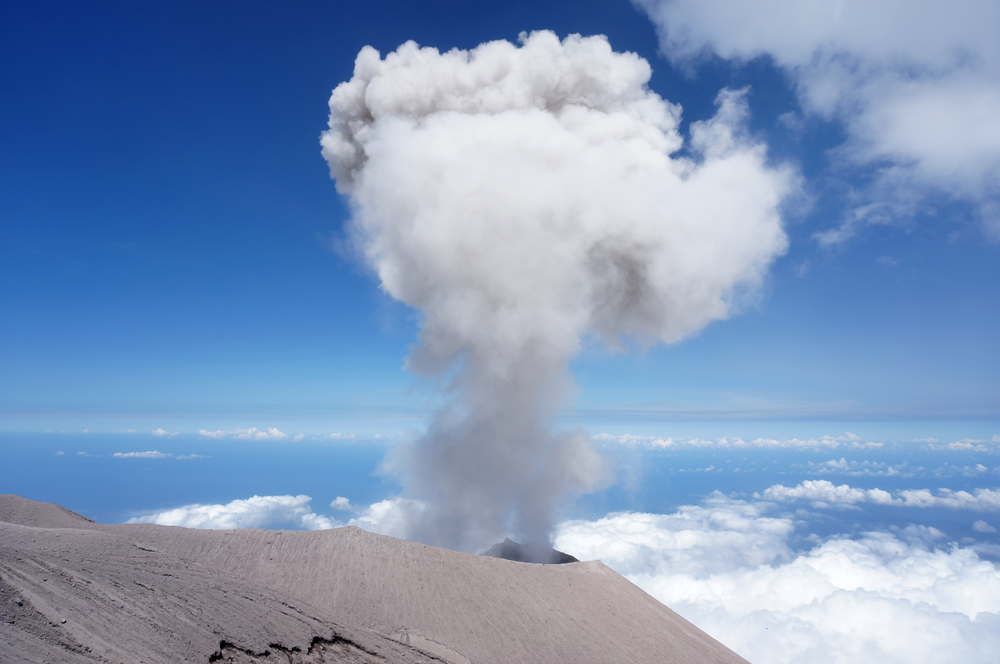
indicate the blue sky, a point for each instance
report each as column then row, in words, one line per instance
column 177, row 277
column 168, row 222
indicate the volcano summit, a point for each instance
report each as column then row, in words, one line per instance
column 76, row 592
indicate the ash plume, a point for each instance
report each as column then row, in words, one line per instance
column 525, row 198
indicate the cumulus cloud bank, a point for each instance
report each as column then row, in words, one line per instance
column 729, row 566
column 915, row 84
column 823, row 493
column 522, row 198
column 387, row 517
column 291, row 512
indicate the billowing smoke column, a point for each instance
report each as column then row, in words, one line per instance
column 523, row 198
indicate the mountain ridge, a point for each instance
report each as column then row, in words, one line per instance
column 128, row 592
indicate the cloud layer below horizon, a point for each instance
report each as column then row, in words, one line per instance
column 751, row 573
column 905, row 596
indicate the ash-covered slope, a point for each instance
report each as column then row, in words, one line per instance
column 131, row 593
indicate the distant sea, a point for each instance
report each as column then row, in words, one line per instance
column 113, row 477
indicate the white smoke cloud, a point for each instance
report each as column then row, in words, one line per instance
column 291, row 512
column 728, row 566
column 523, row 198
column 916, row 85
column 823, row 493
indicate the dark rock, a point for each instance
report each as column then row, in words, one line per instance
column 529, row 553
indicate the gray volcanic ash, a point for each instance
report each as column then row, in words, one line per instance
column 77, row 592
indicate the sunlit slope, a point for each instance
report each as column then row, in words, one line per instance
column 156, row 593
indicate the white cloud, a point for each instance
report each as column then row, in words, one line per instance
column 299, row 437
column 291, row 512
column 847, row 440
column 163, row 432
column 728, row 566
column 823, row 493
column 387, row 517
column 857, row 468
column 253, row 433
column 392, row 516
column 343, row 504
column 915, row 84
column 966, row 445
column 979, row 500
column 983, row 527
column 152, row 454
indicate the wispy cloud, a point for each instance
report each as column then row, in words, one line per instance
column 253, row 433
column 163, row 432
column 152, row 454
column 983, row 527
column 866, row 468
column 916, row 87
column 847, row 441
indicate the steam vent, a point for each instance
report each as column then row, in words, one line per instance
column 529, row 553
column 75, row 591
